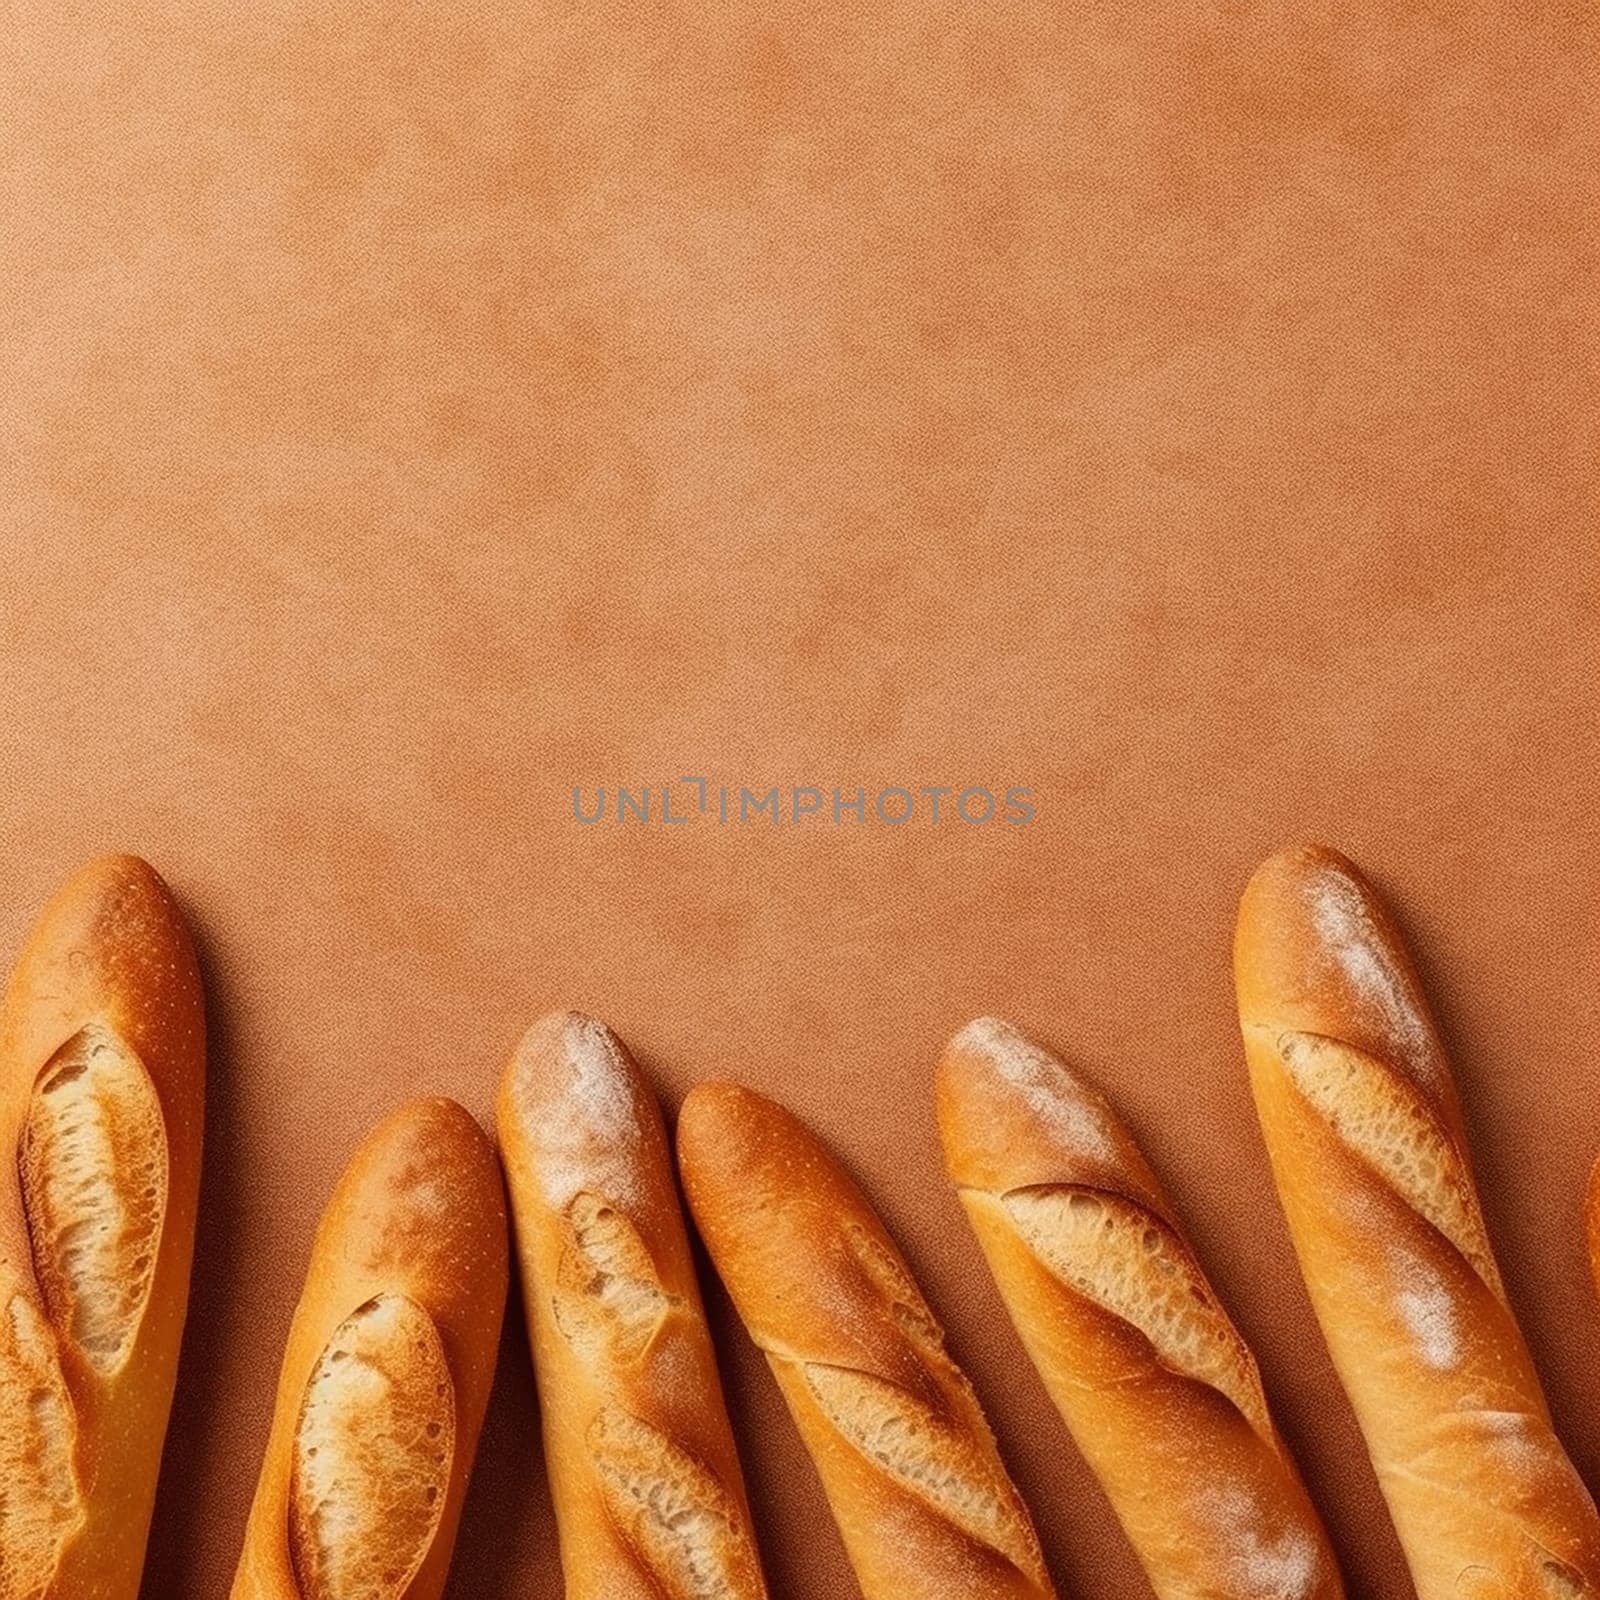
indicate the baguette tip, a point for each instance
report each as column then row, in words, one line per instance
column 1316, row 949
column 109, row 880
column 432, row 1122
column 1298, row 864
column 569, row 1064
column 1012, row 1112
column 713, row 1100
column 988, row 1035
column 726, row 1133
column 554, row 1026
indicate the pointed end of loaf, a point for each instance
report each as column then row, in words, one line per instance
column 1012, row 1114
column 431, row 1129
column 1276, row 919
column 559, row 1047
column 569, row 1065
column 109, row 942
column 738, row 1148
column 572, row 1103
column 430, row 1173
column 109, row 879
column 720, row 1125
column 1315, row 951
column 111, row 901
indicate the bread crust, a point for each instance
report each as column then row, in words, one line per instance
column 104, row 1005
column 1156, row 1385
column 649, row 1496
column 906, row 1459
column 416, row 1228
column 1366, row 1138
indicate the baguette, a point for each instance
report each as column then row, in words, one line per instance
column 1368, row 1146
column 906, row 1459
column 102, row 1102
column 387, row 1370
column 1156, row 1385
column 649, row 1498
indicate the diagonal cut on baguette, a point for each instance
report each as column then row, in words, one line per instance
column 1364, row 1130
column 649, row 1497
column 387, row 1370
column 372, row 1453
column 1154, row 1381
column 685, row 1530
column 911, row 1471
column 102, row 1099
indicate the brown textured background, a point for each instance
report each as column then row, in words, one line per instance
column 409, row 411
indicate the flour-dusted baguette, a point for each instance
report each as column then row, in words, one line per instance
column 1158, row 1388
column 649, row 1497
column 387, row 1371
column 102, row 1100
column 906, row 1459
column 1367, row 1143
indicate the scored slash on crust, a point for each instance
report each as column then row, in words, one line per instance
column 609, row 1296
column 1128, row 1262
column 41, row 1498
column 927, row 1453
column 372, row 1457
column 668, row 1508
column 92, row 1176
column 1382, row 1121
column 92, row 1162
column 673, row 1513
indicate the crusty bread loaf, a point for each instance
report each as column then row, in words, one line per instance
column 1367, row 1143
column 649, row 1497
column 102, row 1101
column 1158, row 1388
column 906, row 1459
column 387, row 1371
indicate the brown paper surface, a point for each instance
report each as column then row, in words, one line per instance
column 412, row 411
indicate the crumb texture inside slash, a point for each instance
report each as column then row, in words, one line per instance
column 1115, row 1253
column 919, row 1450
column 372, row 1454
column 92, row 1161
column 1384, row 1123
column 41, row 1499
column 1558, row 1581
column 676, row 1518
column 889, row 1277
column 609, row 1299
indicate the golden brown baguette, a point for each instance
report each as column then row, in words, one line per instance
column 1368, row 1146
column 387, row 1371
column 102, row 1102
column 1158, row 1388
column 905, row 1456
column 649, row 1497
